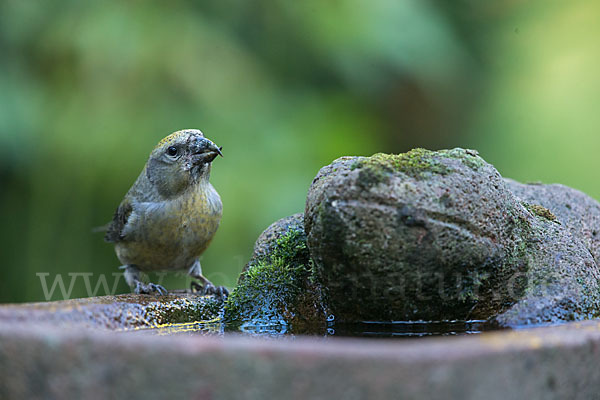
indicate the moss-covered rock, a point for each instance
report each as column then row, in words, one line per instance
column 122, row 312
column 294, row 250
column 439, row 236
column 276, row 290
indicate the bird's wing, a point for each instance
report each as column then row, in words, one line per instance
column 114, row 231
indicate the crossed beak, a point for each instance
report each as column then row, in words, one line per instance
column 204, row 151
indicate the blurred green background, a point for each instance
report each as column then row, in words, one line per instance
column 88, row 88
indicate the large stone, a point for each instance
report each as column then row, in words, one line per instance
column 439, row 236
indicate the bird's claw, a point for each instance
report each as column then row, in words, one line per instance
column 210, row 290
column 149, row 288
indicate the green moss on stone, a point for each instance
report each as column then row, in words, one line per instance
column 417, row 163
column 275, row 288
column 264, row 294
column 291, row 248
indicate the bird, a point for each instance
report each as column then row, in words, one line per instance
column 170, row 214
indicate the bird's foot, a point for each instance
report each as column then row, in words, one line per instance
column 210, row 290
column 149, row 288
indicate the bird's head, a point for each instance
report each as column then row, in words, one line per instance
column 180, row 160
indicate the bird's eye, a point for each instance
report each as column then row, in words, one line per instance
column 172, row 151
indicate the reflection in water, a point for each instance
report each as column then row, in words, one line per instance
column 410, row 329
column 372, row 329
column 193, row 328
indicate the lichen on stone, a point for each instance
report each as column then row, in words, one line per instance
column 540, row 211
column 468, row 157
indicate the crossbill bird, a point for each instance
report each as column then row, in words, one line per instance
column 171, row 213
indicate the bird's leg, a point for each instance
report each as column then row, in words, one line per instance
column 206, row 287
column 132, row 277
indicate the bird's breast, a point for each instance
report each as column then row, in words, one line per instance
column 174, row 233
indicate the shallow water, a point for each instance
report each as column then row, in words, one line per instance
column 410, row 329
column 371, row 329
